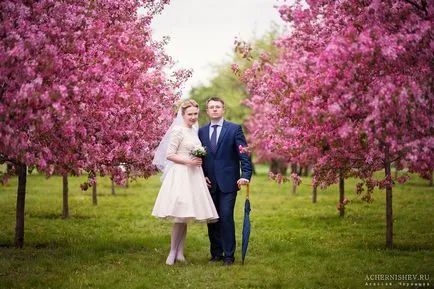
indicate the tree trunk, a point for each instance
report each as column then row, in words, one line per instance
column 65, row 197
column 294, row 188
column 314, row 194
column 9, row 167
column 94, row 198
column 306, row 171
column 430, row 179
column 293, row 168
column 389, row 212
column 21, row 201
column 278, row 166
column 113, row 187
column 396, row 172
column 341, row 194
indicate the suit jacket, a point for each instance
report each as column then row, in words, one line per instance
column 222, row 167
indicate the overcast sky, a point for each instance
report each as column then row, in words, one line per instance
column 202, row 32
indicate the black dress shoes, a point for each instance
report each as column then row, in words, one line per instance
column 228, row 262
column 216, row 259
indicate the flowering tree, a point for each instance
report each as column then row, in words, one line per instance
column 273, row 137
column 82, row 88
column 354, row 82
column 421, row 160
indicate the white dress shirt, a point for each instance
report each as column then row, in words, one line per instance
column 219, row 129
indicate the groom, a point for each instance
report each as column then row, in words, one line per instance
column 221, row 167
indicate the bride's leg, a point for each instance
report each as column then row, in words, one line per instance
column 176, row 234
column 180, row 250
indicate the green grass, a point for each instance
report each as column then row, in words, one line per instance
column 294, row 243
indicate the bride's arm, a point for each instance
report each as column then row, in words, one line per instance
column 174, row 142
column 180, row 160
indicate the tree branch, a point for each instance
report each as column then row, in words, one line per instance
column 414, row 4
column 4, row 159
column 421, row 7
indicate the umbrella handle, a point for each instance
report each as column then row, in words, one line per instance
column 248, row 191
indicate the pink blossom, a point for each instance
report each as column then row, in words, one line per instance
column 402, row 179
column 345, row 90
column 245, row 150
column 78, row 79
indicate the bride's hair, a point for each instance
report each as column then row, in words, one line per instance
column 188, row 103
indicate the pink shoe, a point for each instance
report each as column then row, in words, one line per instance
column 181, row 258
column 171, row 258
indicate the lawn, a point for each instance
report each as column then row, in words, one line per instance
column 294, row 243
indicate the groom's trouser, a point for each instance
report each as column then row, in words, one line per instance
column 222, row 234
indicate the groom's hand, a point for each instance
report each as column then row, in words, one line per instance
column 241, row 182
column 208, row 182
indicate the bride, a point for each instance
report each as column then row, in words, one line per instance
column 184, row 195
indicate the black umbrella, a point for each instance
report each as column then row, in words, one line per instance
column 246, row 227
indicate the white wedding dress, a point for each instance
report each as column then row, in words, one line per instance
column 184, row 195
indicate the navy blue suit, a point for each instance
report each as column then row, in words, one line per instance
column 222, row 167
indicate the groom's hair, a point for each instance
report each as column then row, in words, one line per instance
column 215, row 98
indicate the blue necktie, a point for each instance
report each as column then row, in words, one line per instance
column 214, row 138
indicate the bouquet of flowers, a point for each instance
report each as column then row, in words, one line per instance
column 199, row 151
